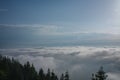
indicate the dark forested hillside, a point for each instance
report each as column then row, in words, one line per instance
column 10, row 69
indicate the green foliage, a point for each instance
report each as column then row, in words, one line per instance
column 41, row 74
column 3, row 75
column 10, row 69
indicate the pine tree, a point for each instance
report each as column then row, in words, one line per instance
column 53, row 76
column 66, row 77
column 48, row 75
column 62, row 77
column 41, row 74
column 33, row 73
column 100, row 75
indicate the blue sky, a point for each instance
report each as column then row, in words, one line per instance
column 50, row 21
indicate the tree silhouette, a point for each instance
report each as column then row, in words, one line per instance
column 41, row 74
column 66, row 77
column 48, row 75
column 10, row 69
column 100, row 75
column 62, row 77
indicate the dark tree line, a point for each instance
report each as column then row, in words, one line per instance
column 10, row 69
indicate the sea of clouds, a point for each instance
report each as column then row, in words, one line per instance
column 79, row 61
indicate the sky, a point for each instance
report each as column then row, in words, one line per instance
column 51, row 22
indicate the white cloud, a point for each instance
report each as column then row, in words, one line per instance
column 37, row 29
column 113, row 76
column 79, row 61
column 38, row 61
column 35, row 26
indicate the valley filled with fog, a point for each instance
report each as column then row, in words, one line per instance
column 80, row 61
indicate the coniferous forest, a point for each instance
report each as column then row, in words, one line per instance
column 11, row 69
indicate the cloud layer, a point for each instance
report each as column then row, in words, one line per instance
column 81, row 62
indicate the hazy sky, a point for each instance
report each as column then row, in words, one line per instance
column 48, row 20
